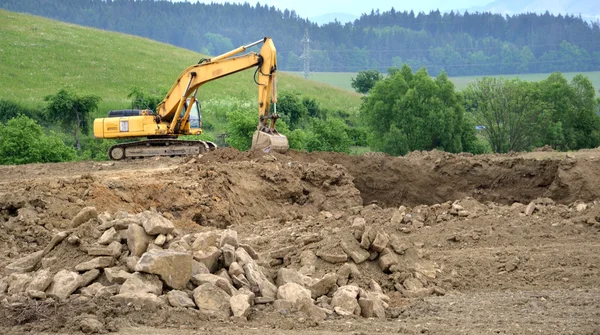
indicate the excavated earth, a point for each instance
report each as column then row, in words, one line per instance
column 493, row 244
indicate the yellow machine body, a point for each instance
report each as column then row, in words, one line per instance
column 173, row 115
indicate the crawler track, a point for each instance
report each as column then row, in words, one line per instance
column 159, row 147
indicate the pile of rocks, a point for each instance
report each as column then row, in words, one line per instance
column 409, row 273
column 143, row 261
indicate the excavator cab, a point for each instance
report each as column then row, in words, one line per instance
column 195, row 117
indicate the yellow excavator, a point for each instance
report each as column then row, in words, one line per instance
column 179, row 112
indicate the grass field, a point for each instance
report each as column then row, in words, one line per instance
column 39, row 56
column 343, row 79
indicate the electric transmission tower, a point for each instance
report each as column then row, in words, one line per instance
column 306, row 54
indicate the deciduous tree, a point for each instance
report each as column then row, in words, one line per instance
column 72, row 112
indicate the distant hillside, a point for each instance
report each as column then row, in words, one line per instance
column 588, row 9
column 459, row 43
column 39, row 56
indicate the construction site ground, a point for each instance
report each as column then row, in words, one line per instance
column 524, row 258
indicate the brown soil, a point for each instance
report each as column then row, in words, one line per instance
column 504, row 272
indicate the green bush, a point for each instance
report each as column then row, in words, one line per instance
column 9, row 110
column 23, row 141
column 411, row 111
column 328, row 135
column 241, row 124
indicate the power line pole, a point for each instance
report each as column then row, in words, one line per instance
column 306, row 54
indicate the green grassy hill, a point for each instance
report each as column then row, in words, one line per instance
column 343, row 79
column 39, row 56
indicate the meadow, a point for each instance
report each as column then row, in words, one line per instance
column 40, row 56
column 344, row 79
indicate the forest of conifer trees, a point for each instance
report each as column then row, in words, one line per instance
column 459, row 43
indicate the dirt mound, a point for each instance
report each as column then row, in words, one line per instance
column 430, row 229
column 436, row 177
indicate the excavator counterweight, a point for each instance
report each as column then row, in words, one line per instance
column 179, row 112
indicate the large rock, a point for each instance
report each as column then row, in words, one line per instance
column 235, row 269
column 228, row 252
column 109, row 236
column 285, row 275
column 116, row 275
column 374, row 304
column 212, row 300
column 41, row 280
column 108, row 291
column 56, row 239
column 124, row 223
column 353, row 249
column 64, row 284
column 160, row 240
column 313, row 312
column 292, row 292
column 215, row 280
column 131, row 262
column 230, row 237
column 139, row 300
column 242, row 257
column 398, row 244
column 346, row 271
column 323, row 286
column 173, row 267
column 249, row 250
column 198, row 268
column 387, row 260
column 358, row 227
column 308, row 261
column 396, row 219
column 258, row 280
column 91, row 290
column 113, row 249
column 367, row 238
column 333, row 256
column 142, row 283
column 137, row 240
column 345, row 301
column 241, row 304
column 366, row 307
column 180, row 299
column 155, row 223
column 88, row 277
column 380, row 242
column 83, row 216
column 209, row 257
column 240, row 281
column 18, row 282
column 206, row 239
column 25, row 264
column 96, row 263
column 180, row 245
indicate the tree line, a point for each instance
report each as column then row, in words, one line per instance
column 406, row 111
column 403, row 111
column 455, row 43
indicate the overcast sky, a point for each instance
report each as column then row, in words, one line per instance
column 309, row 8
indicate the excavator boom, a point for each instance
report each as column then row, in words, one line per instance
column 173, row 114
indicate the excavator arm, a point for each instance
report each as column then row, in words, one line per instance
column 188, row 82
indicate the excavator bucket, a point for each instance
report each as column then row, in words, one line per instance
column 270, row 142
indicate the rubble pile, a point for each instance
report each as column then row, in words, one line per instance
column 143, row 261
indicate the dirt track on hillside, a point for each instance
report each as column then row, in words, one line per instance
column 498, row 269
